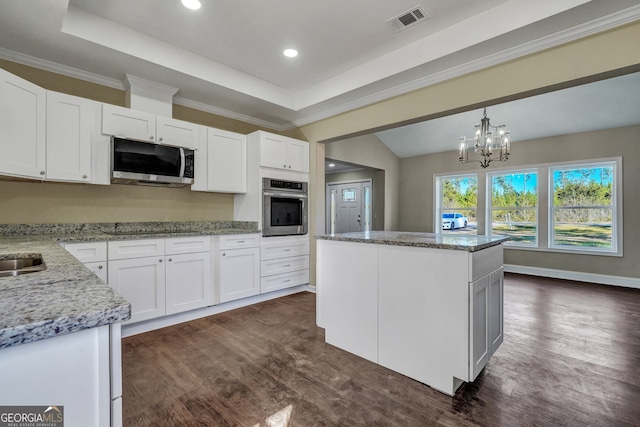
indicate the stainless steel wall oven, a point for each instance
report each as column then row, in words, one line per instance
column 284, row 207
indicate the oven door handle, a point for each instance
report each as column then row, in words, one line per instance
column 284, row 195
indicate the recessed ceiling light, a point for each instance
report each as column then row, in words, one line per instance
column 291, row 53
column 332, row 165
column 192, row 4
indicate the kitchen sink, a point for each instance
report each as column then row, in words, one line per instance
column 15, row 264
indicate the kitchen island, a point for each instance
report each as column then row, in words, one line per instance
column 428, row 306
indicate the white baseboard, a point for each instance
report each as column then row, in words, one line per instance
column 602, row 279
column 163, row 322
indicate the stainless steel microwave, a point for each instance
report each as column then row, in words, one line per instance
column 144, row 163
column 284, row 207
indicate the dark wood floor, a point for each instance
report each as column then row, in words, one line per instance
column 571, row 357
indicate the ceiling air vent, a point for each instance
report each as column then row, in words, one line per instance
column 406, row 19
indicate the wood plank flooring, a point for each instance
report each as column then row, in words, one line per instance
column 571, row 357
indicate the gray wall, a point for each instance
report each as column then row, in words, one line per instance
column 369, row 151
column 417, row 191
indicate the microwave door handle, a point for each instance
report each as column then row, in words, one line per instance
column 182, row 163
column 285, row 195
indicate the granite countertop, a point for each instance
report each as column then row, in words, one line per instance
column 67, row 297
column 460, row 242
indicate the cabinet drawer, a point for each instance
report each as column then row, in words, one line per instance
column 284, row 249
column 187, row 245
column 136, row 248
column 237, row 241
column 282, row 281
column 284, row 265
column 88, row 252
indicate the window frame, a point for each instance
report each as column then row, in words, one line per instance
column 489, row 205
column 616, row 206
column 437, row 217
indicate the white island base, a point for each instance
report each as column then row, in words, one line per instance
column 434, row 315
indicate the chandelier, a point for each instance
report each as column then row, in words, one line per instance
column 490, row 142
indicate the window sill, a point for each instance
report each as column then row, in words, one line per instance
column 564, row 251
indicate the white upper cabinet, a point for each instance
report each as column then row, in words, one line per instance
column 143, row 126
column 69, row 121
column 281, row 152
column 226, row 161
column 221, row 162
column 22, row 124
column 177, row 133
column 125, row 122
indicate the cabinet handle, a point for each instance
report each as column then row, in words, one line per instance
column 285, row 281
column 240, row 241
column 160, row 138
column 160, row 260
column 284, row 166
column 151, row 137
column 99, row 267
column 42, row 172
column 288, row 265
column 224, row 254
column 286, row 250
column 84, row 176
column 289, row 166
column 170, row 260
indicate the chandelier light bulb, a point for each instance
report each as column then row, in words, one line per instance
column 192, row 4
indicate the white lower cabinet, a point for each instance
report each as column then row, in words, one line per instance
column 77, row 371
column 141, row 281
column 93, row 255
column 162, row 276
column 188, row 283
column 486, row 319
column 238, row 262
column 99, row 269
column 285, row 262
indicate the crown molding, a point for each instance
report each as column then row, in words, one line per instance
column 230, row 114
column 64, row 70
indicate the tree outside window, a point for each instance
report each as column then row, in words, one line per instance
column 514, row 206
column 583, row 206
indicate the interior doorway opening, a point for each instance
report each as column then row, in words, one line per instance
column 354, row 198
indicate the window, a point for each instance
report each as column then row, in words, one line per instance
column 349, row 195
column 583, row 208
column 514, row 206
column 458, row 204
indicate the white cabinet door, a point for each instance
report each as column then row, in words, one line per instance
column 496, row 312
column 99, row 269
column 479, row 324
column 273, row 151
column 297, row 155
column 189, row 283
column 125, row 122
column 239, row 273
column 177, row 133
column 69, row 121
column 22, row 127
column 226, row 162
column 141, row 281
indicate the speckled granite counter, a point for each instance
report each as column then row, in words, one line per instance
column 462, row 242
column 67, row 297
